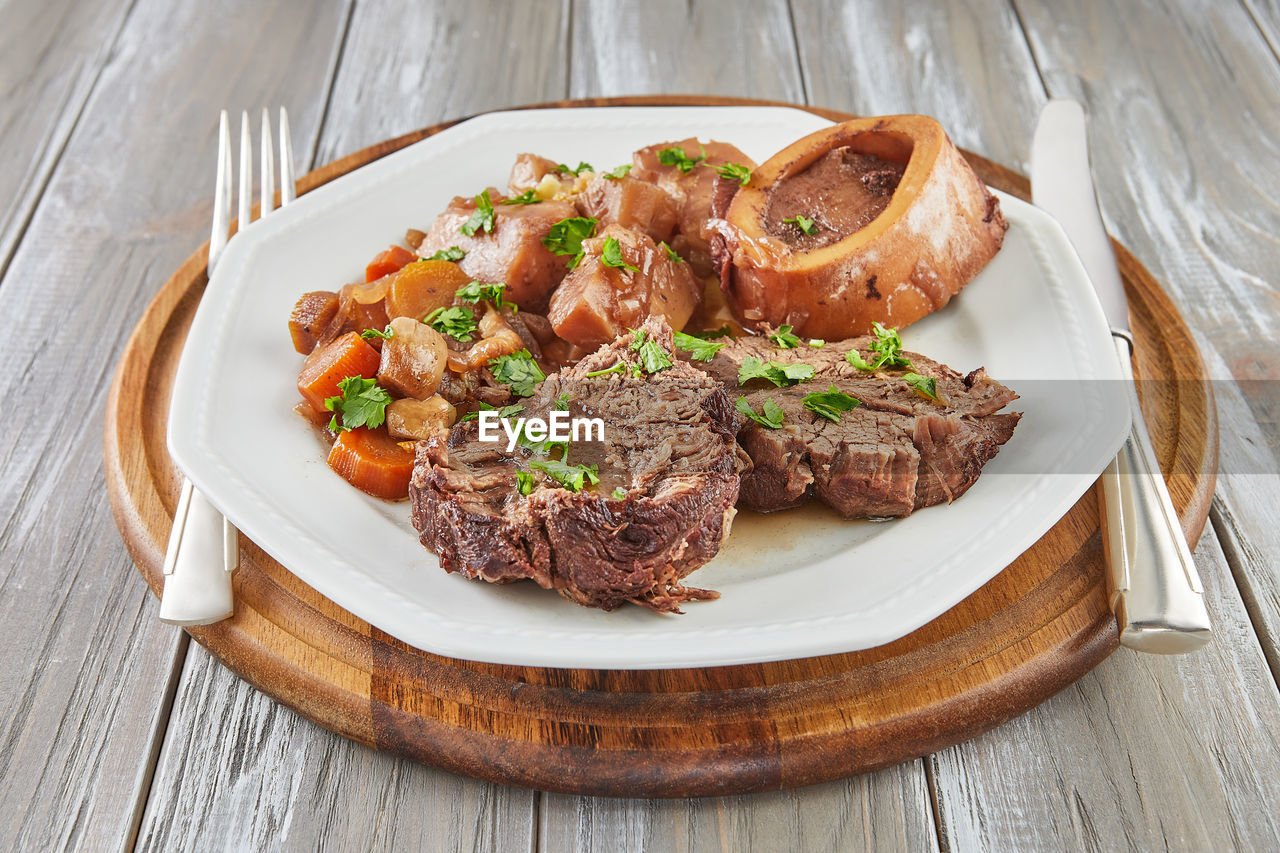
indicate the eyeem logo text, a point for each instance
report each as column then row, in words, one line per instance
column 559, row 427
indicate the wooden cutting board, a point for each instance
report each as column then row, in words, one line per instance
column 1034, row 629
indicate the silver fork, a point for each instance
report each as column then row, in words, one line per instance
column 203, row 546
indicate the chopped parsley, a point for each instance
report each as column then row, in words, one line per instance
column 653, row 357
column 477, row 291
column 830, row 403
column 619, row 493
column 698, row 349
column 370, row 334
column 817, row 343
column 769, row 417
column 722, row 332
column 618, row 173
column 524, row 482
column 362, row 404
column 734, row 172
column 925, row 386
column 611, row 255
column 504, row 412
column 784, row 338
column 526, row 197
column 566, row 236
column 779, row 374
column 572, row 477
column 453, row 253
column 457, row 322
column 675, row 156
column 618, row 367
column 887, row 349
column 569, row 170
column 482, row 218
column 804, row 223
column 671, row 253
column 518, row 371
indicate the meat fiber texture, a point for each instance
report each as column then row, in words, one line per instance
column 669, row 446
column 896, row 452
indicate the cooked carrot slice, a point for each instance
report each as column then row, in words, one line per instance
column 387, row 262
column 373, row 462
column 311, row 317
column 327, row 366
column 422, row 287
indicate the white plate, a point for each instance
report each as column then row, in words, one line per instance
column 792, row 585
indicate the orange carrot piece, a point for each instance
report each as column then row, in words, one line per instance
column 387, row 262
column 373, row 462
column 346, row 356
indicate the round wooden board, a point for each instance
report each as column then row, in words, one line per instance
column 1038, row 626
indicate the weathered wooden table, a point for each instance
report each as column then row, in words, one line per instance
column 116, row 731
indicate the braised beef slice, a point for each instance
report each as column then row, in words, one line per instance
column 669, row 446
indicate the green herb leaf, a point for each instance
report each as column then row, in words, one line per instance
column 524, row 482
column 654, row 358
column 370, row 334
column 722, row 332
column 619, row 493
column 611, row 255
column 784, row 338
column 453, row 253
column 675, row 156
column 563, row 401
column 770, row 416
column 482, row 218
column 619, row 173
column 566, row 236
column 568, row 170
column 817, row 343
column 925, row 386
column 734, row 172
column 504, row 412
column 618, row 367
column 804, row 223
column 698, row 349
column 637, row 339
column 572, row 477
column 887, row 349
column 519, row 371
column 830, row 403
column 457, row 322
column 477, row 291
column 778, row 373
column 362, row 403
column 526, row 197
column 671, row 253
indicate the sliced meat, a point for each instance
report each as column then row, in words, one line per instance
column 668, row 447
column 513, row 253
column 896, row 452
column 692, row 191
column 597, row 302
column 630, row 203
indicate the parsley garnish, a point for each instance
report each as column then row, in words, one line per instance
column 887, row 348
column 671, row 253
column 572, row 477
column 453, row 253
column 370, row 334
column 804, row 223
column 617, row 368
column 519, row 371
column 925, row 386
column 779, row 374
column 563, row 401
column 526, row 197
column 817, row 343
column 618, row 173
column 619, row 493
column 734, row 172
column 675, row 156
column 362, row 403
column 482, row 218
column 722, row 332
column 566, row 236
column 477, row 291
column 457, row 322
column 504, row 412
column 830, row 403
column 524, row 482
column 698, row 349
column 611, row 255
column 582, row 167
column 654, row 358
column 784, row 338
column 770, row 416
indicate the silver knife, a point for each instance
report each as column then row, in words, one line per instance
column 1154, row 587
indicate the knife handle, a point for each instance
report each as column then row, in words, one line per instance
column 203, row 552
column 1154, row 587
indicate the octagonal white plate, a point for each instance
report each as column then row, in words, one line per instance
column 792, row 585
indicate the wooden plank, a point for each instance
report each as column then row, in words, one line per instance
column 673, row 47
column 88, row 669
column 880, row 811
column 242, row 771
column 50, row 57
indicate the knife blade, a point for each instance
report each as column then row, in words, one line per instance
column 1154, row 587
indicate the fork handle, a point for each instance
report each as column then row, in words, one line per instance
column 203, row 552
column 1155, row 589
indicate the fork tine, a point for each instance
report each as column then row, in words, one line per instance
column 246, row 172
column 267, row 160
column 287, row 187
column 221, row 193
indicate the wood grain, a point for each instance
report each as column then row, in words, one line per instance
column 1025, row 635
column 88, row 671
